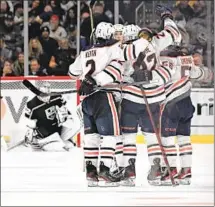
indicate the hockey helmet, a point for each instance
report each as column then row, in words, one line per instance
column 131, row 32
column 118, row 32
column 104, row 31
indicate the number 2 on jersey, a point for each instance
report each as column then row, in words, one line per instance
column 92, row 65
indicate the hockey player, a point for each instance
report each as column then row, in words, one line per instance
column 130, row 33
column 134, row 111
column 176, row 115
column 45, row 117
column 96, row 66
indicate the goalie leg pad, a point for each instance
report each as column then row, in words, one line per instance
column 52, row 143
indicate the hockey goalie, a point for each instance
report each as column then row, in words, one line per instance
column 51, row 126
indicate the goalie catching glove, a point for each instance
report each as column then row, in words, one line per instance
column 87, row 86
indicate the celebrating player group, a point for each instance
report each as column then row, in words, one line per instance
column 145, row 81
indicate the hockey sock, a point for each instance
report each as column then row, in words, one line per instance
column 153, row 147
column 119, row 151
column 129, row 148
column 91, row 148
column 185, row 151
column 154, row 150
column 107, row 150
column 170, row 150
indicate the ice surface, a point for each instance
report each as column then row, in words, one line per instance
column 57, row 179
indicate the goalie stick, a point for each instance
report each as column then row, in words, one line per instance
column 36, row 91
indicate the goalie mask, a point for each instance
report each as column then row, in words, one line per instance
column 45, row 88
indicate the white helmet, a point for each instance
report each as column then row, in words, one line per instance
column 104, row 30
column 45, row 88
column 131, row 32
column 118, row 28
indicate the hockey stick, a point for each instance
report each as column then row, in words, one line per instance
column 36, row 91
column 16, row 145
column 157, row 135
column 92, row 2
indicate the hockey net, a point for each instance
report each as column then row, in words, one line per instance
column 14, row 96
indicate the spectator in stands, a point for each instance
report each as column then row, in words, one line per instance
column 71, row 17
column 35, row 9
column 5, row 52
column 98, row 16
column 18, row 14
column 49, row 45
column 66, row 5
column 45, row 15
column 199, row 9
column 18, row 66
column 65, row 56
column 56, row 8
column 56, row 31
column 4, row 8
column 13, row 34
column 36, row 51
column 7, row 69
column 36, row 69
column 185, row 7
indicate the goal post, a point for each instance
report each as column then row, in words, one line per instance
column 14, row 97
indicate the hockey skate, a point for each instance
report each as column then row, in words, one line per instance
column 129, row 175
column 154, row 176
column 92, row 175
column 184, row 176
column 107, row 179
column 118, row 172
column 165, row 179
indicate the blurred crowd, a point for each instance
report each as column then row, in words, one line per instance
column 53, row 30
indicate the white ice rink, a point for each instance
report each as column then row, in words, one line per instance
column 57, row 179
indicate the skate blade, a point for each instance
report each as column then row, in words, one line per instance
column 185, row 181
column 92, row 183
column 128, row 183
column 104, row 183
column 156, row 182
column 169, row 183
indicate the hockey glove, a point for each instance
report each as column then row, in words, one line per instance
column 142, row 75
column 87, row 86
column 163, row 12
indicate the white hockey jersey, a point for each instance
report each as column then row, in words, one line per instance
column 150, row 59
column 180, row 84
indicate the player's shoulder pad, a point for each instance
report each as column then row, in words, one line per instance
column 56, row 97
column 34, row 102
